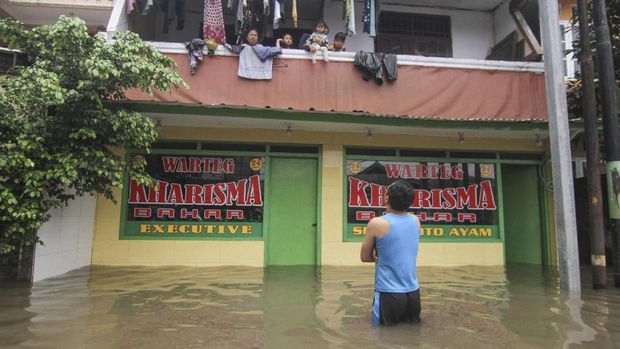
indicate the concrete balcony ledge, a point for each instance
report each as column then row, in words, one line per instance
column 534, row 67
column 426, row 88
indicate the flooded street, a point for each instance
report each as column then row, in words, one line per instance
column 301, row 307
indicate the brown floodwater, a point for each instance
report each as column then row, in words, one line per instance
column 301, row 307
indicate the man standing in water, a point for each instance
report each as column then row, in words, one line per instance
column 392, row 242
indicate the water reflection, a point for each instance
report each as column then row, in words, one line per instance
column 287, row 307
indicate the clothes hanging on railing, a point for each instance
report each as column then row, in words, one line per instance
column 256, row 63
column 194, row 54
column 195, row 50
column 376, row 65
column 214, row 21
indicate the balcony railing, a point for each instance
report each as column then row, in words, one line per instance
column 426, row 88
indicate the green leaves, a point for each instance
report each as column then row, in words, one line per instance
column 59, row 136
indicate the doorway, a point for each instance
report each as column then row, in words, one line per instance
column 292, row 231
column 523, row 231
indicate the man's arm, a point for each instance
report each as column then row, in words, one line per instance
column 375, row 228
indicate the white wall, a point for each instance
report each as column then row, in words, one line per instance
column 472, row 31
column 503, row 22
column 68, row 239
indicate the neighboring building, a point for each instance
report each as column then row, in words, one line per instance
column 289, row 170
column 68, row 235
column 39, row 12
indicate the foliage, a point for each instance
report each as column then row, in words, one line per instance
column 574, row 93
column 60, row 136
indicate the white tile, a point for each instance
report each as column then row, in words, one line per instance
column 50, row 235
column 73, row 208
column 67, row 261
column 46, row 266
column 85, row 232
column 56, row 211
column 83, row 257
column 88, row 205
column 69, row 234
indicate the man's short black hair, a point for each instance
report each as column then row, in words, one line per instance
column 400, row 194
column 340, row 36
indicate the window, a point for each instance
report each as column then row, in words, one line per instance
column 568, row 34
column 9, row 59
column 410, row 33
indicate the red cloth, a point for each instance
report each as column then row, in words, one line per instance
column 214, row 21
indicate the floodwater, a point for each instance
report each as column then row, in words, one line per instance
column 301, row 307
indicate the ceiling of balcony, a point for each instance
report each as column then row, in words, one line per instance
column 94, row 13
column 477, row 5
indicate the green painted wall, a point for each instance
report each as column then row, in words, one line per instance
column 522, row 214
column 292, row 232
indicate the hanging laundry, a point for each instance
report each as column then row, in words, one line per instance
column 145, row 6
column 373, row 19
column 172, row 8
column 241, row 5
column 129, row 6
column 277, row 14
column 254, row 14
column 139, row 6
column 294, row 14
column 194, row 54
column 245, row 22
column 366, row 17
column 256, row 62
column 376, row 65
column 214, row 21
column 350, row 22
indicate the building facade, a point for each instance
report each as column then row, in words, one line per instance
column 289, row 170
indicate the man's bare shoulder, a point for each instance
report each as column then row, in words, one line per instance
column 379, row 226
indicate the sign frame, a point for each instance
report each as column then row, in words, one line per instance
column 426, row 239
column 124, row 223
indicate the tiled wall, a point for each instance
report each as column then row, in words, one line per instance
column 68, row 239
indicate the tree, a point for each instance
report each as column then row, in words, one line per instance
column 61, row 134
column 574, row 87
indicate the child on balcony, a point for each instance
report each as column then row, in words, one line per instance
column 285, row 42
column 338, row 44
column 318, row 41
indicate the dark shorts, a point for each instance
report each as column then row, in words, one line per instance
column 398, row 307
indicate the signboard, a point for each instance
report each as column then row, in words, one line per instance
column 197, row 197
column 454, row 201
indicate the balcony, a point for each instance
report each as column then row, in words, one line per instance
column 464, row 86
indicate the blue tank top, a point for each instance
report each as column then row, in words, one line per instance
column 397, row 252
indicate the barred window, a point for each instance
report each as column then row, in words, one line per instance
column 418, row 34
